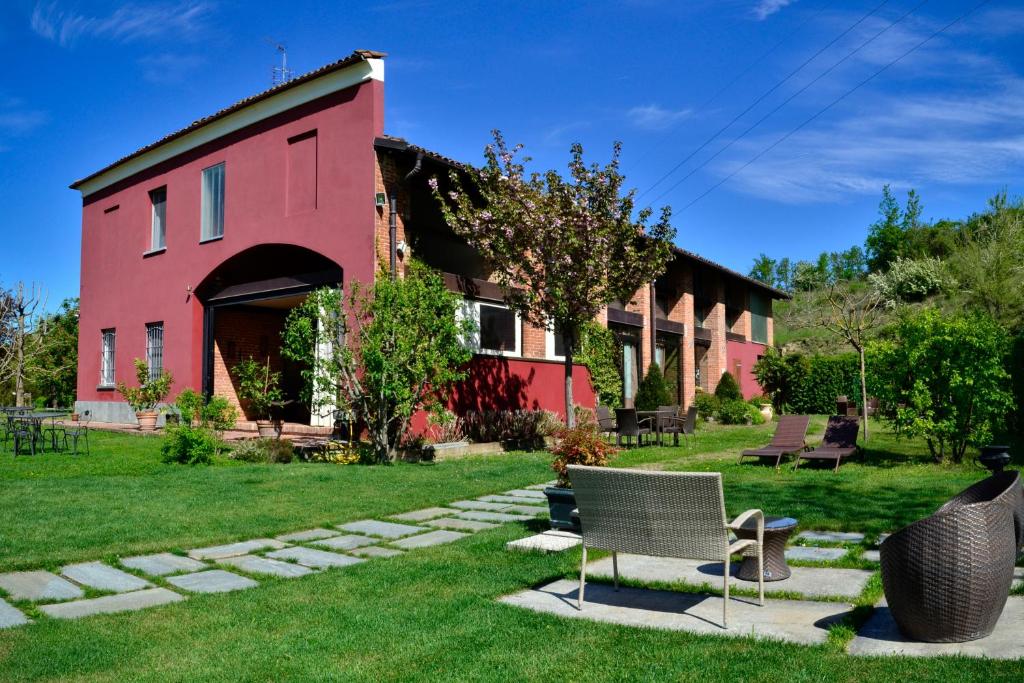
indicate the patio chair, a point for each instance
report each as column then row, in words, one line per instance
column 664, row 514
column 839, row 442
column 628, row 425
column 947, row 577
column 605, row 421
column 78, row 431
column 789, row 438
column 25, row 435
column 669, row 422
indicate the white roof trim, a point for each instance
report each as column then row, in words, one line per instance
column 360, row 72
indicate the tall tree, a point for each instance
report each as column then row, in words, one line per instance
column 53, row 371
column 22, row 309
column 888, row 236
column 562, row 248
column 764, row 269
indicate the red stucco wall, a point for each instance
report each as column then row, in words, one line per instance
column 747, row 354
column 122, row 289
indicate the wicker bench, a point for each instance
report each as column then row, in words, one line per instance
column 664, row 514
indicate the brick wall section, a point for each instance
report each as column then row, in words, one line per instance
column 716, row 323
column 241, row 333
column 687, row 352
column 641, row 303
column 742, row 324
column 771, row 323
column 388, row 179
column 533, row 341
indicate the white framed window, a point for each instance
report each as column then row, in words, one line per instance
column 155, row 349
column 158, row 234
column 554, row 348
column 107, row 378
column 213, row 203
column 499, row 329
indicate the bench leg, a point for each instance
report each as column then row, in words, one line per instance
column 725, row 590
column 615, row 568
column 583, row 577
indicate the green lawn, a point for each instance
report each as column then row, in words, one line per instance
column 431, row 614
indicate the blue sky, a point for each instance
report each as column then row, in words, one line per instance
column 87, row 82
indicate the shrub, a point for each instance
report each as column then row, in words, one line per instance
column 521, row 428
column 258, row 386
column 728, row 389
column 264, row 450
column 739, row 412
column 189, row 445
column 581, row 445
column 807, row 384
column 443, row 426
column 908, row 280
column 151, row 390
column 336, row 453
column 600, row 353
column 652, row 391
column 707, row 404
column 759, row 400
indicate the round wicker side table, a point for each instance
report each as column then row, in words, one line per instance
column 776, row 533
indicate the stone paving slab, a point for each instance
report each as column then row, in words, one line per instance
column 103, row 577
column 540, row 487
column 880, row 636
column 460, row 524
column 817, row 582
column 486, row 516
column 424, row 514
column 373, row 527
column 544, row 543
column 218, row 552
column 109, row 604
column 162, row 564
column 831, row 536
column 211, row 581
column 317, row 559
column 11, row 616
column 526, row 493
column 38, row 585
column 512, row 500
column 308, row 535
column 872, row 556
column 533, row 510
column 812, row 554
column 254, row 564
column 428, row 539
column 791, row 620
column 347, row 542
column 479, row 505
column 376, row 551
column 881, row 537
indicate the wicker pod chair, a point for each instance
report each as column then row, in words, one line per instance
column 1011, row 495
column 947, row 577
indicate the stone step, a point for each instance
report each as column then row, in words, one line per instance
column 162, row 564
column 109, row 604
column 211, row 581
column 253, row 564
column 218, row 552
column 39, row 585
column 428, row 539
column 317, row 559
column 102, row 577
column 373, row 527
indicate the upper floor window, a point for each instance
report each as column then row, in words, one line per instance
column 155, row 349
column 499, row 331
column 554, row 343
column 158, row 235
column 107, row 358
column 760, row 311
column 213, row 203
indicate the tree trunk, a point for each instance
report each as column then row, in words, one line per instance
column 863, row 393
column 19, row 368
column 570, row 409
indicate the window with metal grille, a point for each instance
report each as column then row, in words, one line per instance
column 155, row 349
column 107, row 358
column 213, row 203
column 158, row 198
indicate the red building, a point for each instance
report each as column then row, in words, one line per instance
column 196, row 246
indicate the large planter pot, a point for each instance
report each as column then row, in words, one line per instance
column 767, row 412
column 147, row 420
column 268, row 429
column 561, row 503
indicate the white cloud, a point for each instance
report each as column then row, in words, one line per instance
column 184, row 19
column 17, row 119
column 654, row 117
column 766, row 8
column 168, row 68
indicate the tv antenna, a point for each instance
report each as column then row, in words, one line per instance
column 281, row 74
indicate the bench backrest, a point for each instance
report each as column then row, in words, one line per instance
column 841, row 432
column 791, row 430
column 665, row 514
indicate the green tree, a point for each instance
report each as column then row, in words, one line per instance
column 652, row 391
column 53, row 371
column 383, row 351
column 784, row 274
column 728, row 389
column 562, row 248
column 764, row 269
column 888, row 237
column 944, row 379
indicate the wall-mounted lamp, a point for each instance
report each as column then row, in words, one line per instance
column 401, row 247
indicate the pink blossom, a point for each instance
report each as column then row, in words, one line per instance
column 432, row 183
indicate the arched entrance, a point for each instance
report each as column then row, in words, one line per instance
column 246, row 300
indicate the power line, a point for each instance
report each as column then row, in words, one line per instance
column 768, row 92
column 785, row 39
column 789, row 99
column 835, row 102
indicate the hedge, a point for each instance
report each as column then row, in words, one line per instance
column 808, row 384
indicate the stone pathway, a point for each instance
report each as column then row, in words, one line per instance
column 165, row 578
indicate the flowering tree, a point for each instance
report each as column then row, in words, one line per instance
column 561, row 248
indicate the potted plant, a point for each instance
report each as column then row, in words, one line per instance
column 260, row 389
column 581, row 445
column 144, row 398
column 763, row 405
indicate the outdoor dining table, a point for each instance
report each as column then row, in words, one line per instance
column 37, row 418
column 653, row 416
